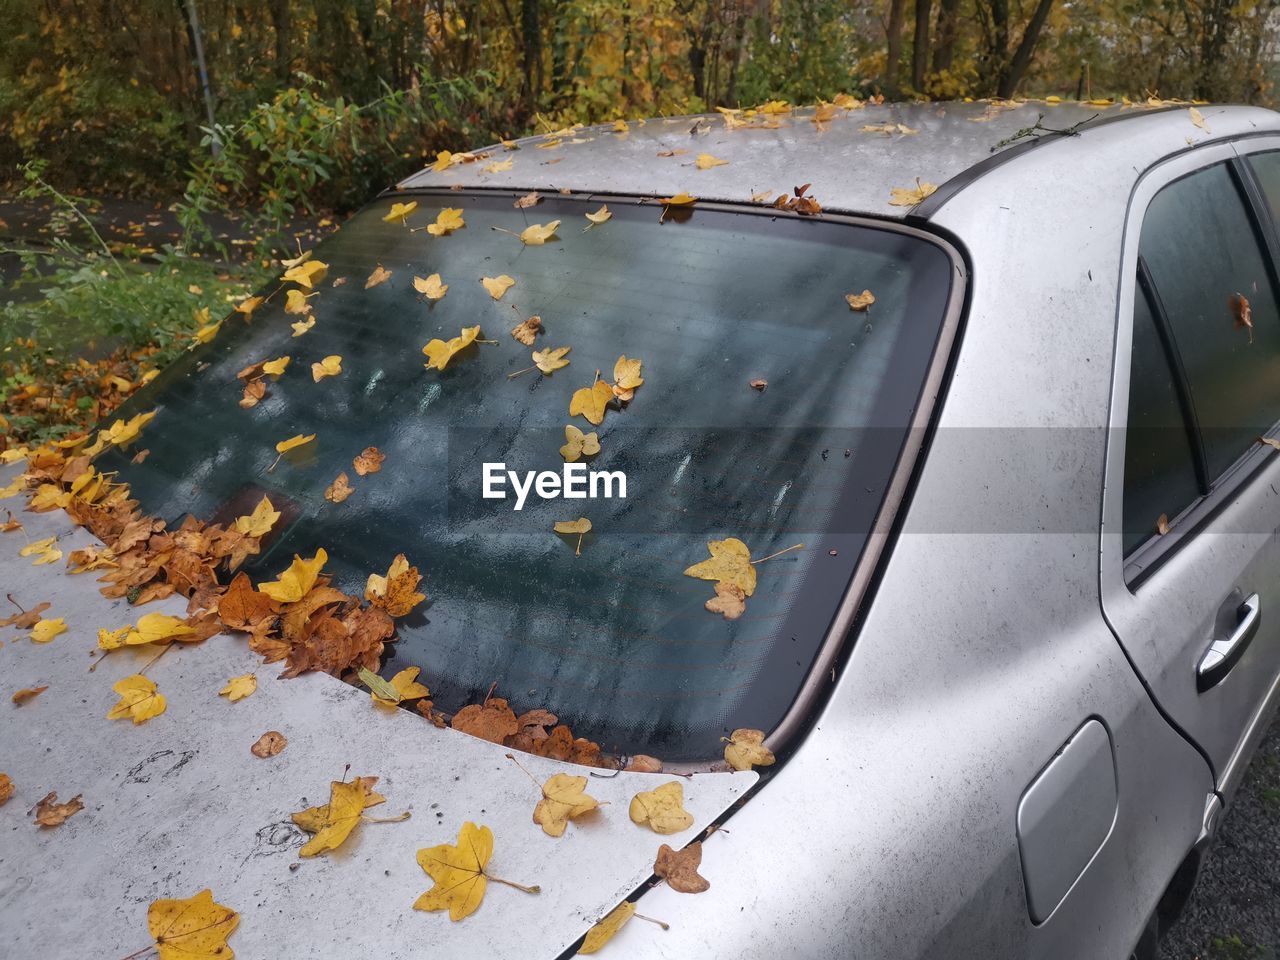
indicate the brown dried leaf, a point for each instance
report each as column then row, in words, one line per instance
column 729, row 601
column 269, row 744
column 680, row 869
column 28, row 693
column 368, row 461
column 493, row 720
column 528, row 200
column 51, row 813
column 526, row 330
column 6, row 788
column 339, row 490
column 242, row 607
column 27, row 619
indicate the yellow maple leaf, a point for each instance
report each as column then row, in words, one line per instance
column 238, row 688
column 296, row 302
column 536, row 234
column 403, row 686
column 330, row 366
column 730, row 562
column 157, row 628
column 192, row 929
column 399, row 212
column 16, row 486
column 49, row 496
column 447, row 220
column 139, row 699
column 397, row 592
column 207, row 332
column 910, row 196
column 600, row 216
column 578, row 444
column 619, row 126
column 706, row 161
column 662, row 809
column 626, row 377
column 248, row 305
column 333, row 822
column 607, row 927
column 296, row 581
column 298, row 440
column 550, row 360
column 258, row 523
column 113, row 639
column 680, row 199
column 591, row 401
column 562, row 800
column 746, row 749
column 497, row 286
column 859, row 302
column 276, row 367
column 46, row 630
column 306, row 274
column 122, row 432
column 498, row 166
column 440, row 352
column 431, row 287
column 379, row 275
column 459, row 873
column 444, row 160
column 302, row 326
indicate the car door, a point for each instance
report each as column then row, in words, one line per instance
column 1190, row 562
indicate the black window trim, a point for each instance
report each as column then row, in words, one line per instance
column 1218, row 491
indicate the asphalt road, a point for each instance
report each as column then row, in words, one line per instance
column 1234, row 912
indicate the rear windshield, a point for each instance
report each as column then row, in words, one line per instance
column 771, row 412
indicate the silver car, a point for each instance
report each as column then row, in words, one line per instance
column 1009, row 373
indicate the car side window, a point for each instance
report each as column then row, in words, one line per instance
column 1212, row 283
column 1159, row 463
column 1266, row 167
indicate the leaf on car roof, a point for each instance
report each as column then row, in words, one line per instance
column 910, row 196
column 333, row 822
column 680, row 868
column 46, row 630
column 460, row 874
column 27, row 693
column 662, row 809
column 238, row 688
column 139, row 699
column 706, row 161
column 51, row 813
column 6, row 788
column 192, row 929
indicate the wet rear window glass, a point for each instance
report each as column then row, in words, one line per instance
column 615, row 641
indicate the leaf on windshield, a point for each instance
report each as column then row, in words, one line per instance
column 581, row 527
column 297, row 580
column 600, row 216
column 536, row 234
column 238, row 688
column 431, row 287
column 492, row 720
column 380, row 275
column 680, row 868
column 527, row 201
column 497, row 286
column 458, row 870
column 578, row 444
column 859, row 302
column 139, row 699
column 626, row 377
column 526, row 330
column 440, row 352
column 339, row 490
column 276, row 367
column 447, row 220
column 591, row 402
column 397, row 592
column 910, row 196
column 551, row 359
column 298, row 303
column 299, row 328
column 367, row 461
column 402, row 687
column 661, row 810
column 330, row 366
column 729, row 601
column 260, row 521
column 306, row 275
column 706, row 161
column 1243, row 313
column 563, row 799
column 244, row 608
column 730, row 562
column 746, row 749
column 297, row 440
column 399, row 212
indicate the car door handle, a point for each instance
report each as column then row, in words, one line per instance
column 1223, row 654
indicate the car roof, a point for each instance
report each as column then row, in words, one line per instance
column 853, row 159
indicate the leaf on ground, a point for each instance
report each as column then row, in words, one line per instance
column 607, row 927
column 729, row 601
column 238, row 688
column 330, row 366
column 581, row 525
column 497, row 286
column 402, row 687
column 367, row 461
column 440, row 352
column 447, row 220
column 51, row 813
column 28, row 693
column 297, row 580
column 397, row 592
column 626, row 377
column 578, row 444
column 493, row 720
column 379, row 275
column 526, row 330
column 680, row 869
column 139, row 699
column 536, row 234
column 746, row 749
column 192, row 929
column 591, row 402
column 333, row 822
column 339, row 490
column 431, row 287
column 661, row 809
column 259, row 522
column 563, row 799
column 46, row 630
column 269, row 744
column 730, row 563
column 859, row 302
